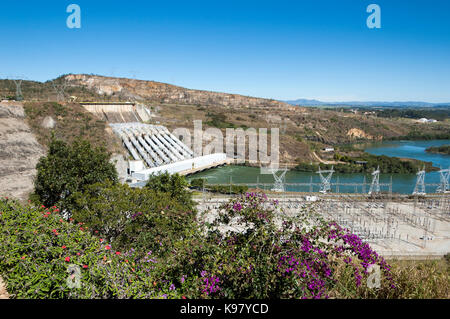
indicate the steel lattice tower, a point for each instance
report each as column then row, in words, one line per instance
column 419, row 189
column 279, row 180
column 325, row 180
column 444, row 181
column 375, row 186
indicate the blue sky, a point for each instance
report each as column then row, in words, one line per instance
column 276, row 49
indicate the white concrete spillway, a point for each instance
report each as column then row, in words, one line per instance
column 161, row 151
column 184, row 167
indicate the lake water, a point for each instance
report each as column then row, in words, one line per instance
column 401, row 183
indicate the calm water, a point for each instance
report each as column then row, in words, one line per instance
column 401, row 183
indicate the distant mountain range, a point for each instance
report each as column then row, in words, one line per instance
column 308, row 102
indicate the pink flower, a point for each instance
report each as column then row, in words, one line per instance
column 108, row 247
column 67, row 259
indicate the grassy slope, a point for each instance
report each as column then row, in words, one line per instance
column 72, row 121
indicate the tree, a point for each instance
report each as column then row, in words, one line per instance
column 68, row 169
column 175, row 185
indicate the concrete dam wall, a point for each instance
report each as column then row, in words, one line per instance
column 118, row 112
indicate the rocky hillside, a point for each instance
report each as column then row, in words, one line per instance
column 305, row 132
column 165, row 93
column 19, row 152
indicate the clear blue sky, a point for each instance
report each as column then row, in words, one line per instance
column 277, row 49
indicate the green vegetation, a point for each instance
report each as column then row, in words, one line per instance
column 71, row 122
column 150, row 242
column 200, row 183
column 443, row 149
column 219, row 120
column 169, row 255
column 38, row 247
column 366, row 163
column 439, row 114
column 68, row 169
column 140, row 218
column 444, row 134
column 173, row 185
column 45, row 91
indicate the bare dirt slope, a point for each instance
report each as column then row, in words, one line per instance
column 164, row 93
column 19, row 152
column 3, row 292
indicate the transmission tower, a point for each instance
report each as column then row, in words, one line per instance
column 18, row 82
column 283, row 126
column 325, row 180
column 419, row 189
column 19, row 96
column 279, row 179
column 375, row 186
column 444, row 181
column 59, row 89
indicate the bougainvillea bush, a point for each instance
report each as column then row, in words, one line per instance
column 39, row 248
column 249, row 248
column 253, row 250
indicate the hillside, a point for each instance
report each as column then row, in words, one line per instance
column 19, row 151
column 304, row 132
column 94, row 87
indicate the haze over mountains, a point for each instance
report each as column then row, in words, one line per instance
column 312, row 102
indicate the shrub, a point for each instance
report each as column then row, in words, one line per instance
column 174, row 185
column 141, row 218
column 38, row 247
column 68, row 169
column 249, row 249
column 248, row 252
column 198, row 183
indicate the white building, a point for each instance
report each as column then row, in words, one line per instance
column 425, row 120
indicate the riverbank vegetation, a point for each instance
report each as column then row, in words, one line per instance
column 367, row 163
column 443, row 149
column 200, row 184
column 439, row 114
column 443, row 134
column 122, row 242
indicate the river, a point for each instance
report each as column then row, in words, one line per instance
column 401, row 183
